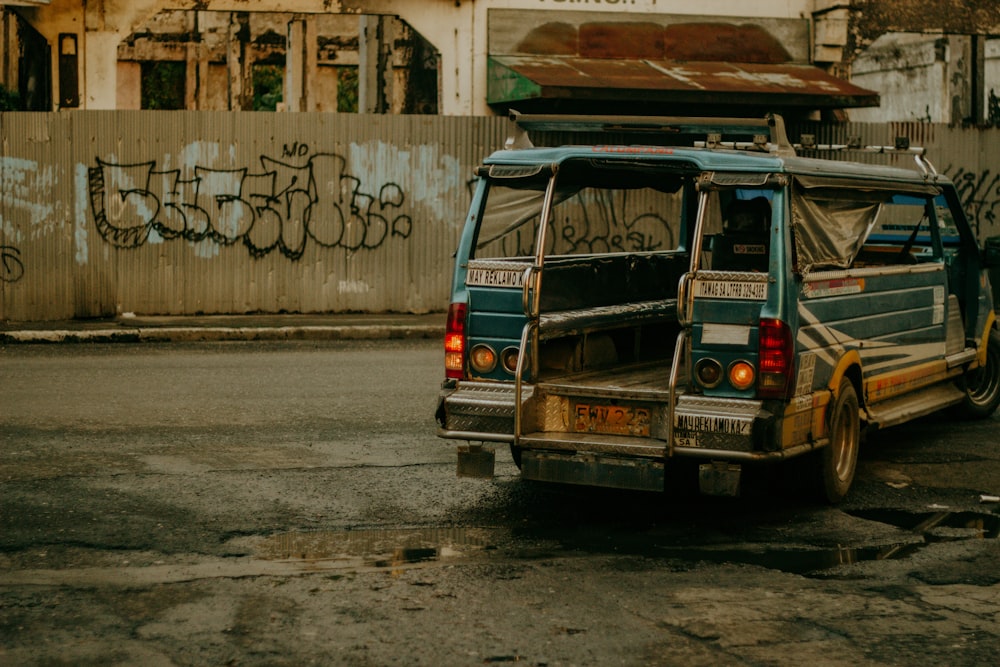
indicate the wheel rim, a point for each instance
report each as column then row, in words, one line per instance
column 983, row 383
column 845, row 441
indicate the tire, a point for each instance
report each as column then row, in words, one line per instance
column 515, row 453
column 839, row 459
column 982, row 385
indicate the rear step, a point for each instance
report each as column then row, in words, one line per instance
column 623, row 411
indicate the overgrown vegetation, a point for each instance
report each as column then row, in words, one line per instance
column 10, row 100
column 268, row 87
column 347, row 89
column 162, row 85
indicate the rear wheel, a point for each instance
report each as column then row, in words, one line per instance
column 839, row 459
column 982, row 385
column 515, row 453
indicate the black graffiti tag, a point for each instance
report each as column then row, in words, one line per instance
column 11, row 267
column 980, row 196
column 283, row 207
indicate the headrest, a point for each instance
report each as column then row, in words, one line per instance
column 748, row 215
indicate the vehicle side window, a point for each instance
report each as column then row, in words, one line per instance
column 903, row 233
column 595, row 209
column 845, row 228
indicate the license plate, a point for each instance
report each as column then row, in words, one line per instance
column 611, row 419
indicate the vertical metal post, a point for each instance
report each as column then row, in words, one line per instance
column 375, row 75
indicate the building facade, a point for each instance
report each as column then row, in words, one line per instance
column 878, row 59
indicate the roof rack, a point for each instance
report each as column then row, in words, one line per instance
column 765, row 134
column 900, row 146
column 752, row 134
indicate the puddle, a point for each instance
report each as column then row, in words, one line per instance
column 376, row 547
column 391, row 548
column 798, row 561
column 926, row 527
column 938, row 526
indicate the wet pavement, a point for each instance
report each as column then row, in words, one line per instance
column 251, row 504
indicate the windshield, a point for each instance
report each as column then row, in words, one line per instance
column 597, row 208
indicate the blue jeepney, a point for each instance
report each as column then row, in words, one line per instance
column 616, row 307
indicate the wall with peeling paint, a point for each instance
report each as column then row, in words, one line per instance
column 222, row 212
column 929, row 78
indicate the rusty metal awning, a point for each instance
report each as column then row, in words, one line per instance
column 516, row 79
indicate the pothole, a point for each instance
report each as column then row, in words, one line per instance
column 927, row 528
column 936, row 526
column 377, row 547
column 392, row 548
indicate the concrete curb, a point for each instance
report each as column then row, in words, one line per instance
column 210, row 334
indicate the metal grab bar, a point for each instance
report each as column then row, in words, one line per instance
column 679, row 352
column 526, row 333
column 528, row 305
column 683, row 307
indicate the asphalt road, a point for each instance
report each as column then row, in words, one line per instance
column 289, row 504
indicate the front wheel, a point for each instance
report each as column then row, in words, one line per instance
column 982, row 385
column 839, row 459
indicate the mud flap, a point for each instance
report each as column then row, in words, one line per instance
column 477, row 461
column 719, row 478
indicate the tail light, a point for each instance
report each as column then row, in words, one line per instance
column 777, row 359
column 454, row 341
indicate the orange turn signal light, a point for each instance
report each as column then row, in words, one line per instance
column 482, row 358
column 741, row 375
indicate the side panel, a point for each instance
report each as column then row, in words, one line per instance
column 893, row 318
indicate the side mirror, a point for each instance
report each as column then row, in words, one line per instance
column 991, row 252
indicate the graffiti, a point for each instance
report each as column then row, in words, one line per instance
column 11, row 267
column 283, row 207
column 980, row 196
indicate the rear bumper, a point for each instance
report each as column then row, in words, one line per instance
column 703, row 427
column 739, row 426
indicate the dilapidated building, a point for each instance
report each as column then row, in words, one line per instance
column 935, row 60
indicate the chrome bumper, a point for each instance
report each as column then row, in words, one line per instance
column 704, row 427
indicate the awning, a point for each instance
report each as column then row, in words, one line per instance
column 514, row 80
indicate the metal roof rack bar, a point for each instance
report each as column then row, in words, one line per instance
column 900, row 146
column 765, row 133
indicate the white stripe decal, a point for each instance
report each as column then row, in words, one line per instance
column 822, row 348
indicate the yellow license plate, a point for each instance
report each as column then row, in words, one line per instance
column 611, row 419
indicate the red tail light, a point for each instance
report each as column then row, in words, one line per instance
column 777, row 359
column 454, row 341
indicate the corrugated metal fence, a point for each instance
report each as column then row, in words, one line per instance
column 104, row 212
